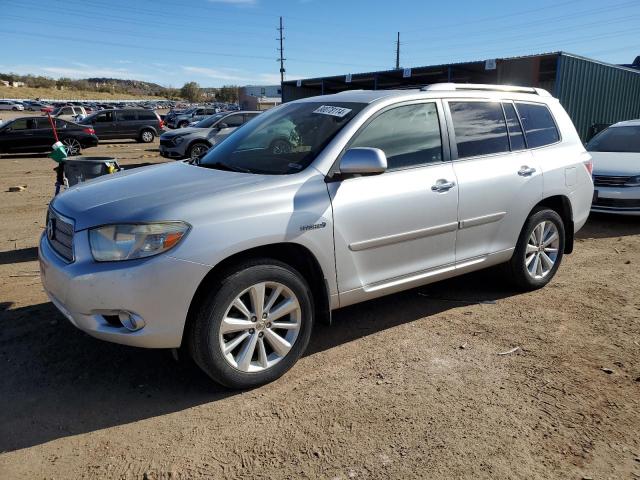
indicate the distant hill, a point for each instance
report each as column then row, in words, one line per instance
column 132, row 87
column 111, row 86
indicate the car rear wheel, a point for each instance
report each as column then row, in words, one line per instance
column 255, row 326
column 198, row 149
column 15, row 109
column 72, row 146
column 147, row 136
column 539, row 251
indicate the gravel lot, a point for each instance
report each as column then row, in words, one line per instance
column 407, row 386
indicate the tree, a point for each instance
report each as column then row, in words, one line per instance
column 190, row 91
column 227, row 94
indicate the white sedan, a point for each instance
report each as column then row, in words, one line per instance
column 9, row 105
column 616, row 169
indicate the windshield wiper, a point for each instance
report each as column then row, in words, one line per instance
column 222, row 166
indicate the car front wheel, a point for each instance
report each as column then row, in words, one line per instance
column 539, row 251
column 255, row 326
column 72, row 146
column 198, row 149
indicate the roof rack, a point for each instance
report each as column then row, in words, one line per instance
column 439, row 87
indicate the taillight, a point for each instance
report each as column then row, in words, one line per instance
column 161, row 123
column 589, row 166
column 90, row 131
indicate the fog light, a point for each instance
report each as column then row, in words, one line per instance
column 131, row 321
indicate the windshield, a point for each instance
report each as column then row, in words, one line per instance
column 283, row 140
column 616, row 139
column 209, row 121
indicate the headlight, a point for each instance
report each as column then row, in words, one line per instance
column 128, row 241
column 178, row 140
column 633, row 182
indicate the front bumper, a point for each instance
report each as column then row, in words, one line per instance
column 158, row 289
column 618, row 200
column 175, row 152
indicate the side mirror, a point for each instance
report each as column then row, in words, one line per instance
column 363, row 161
column 222, row 125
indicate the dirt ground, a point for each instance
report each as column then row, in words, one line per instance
column 407, row 386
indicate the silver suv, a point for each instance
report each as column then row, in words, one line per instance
column 312, row 206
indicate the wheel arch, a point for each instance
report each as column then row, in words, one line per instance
column 147, row 127
column 562, row 206
column 295, row 255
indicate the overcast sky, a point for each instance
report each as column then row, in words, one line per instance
column 217, row 42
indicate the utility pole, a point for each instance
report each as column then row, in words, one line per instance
column 398, row 52
column 281, row 49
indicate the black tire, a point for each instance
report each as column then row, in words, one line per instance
column 147, row 136
column 197, row 148
column 183, row 124
column 72, row 146
column 15, row 109
column 516, row 268
column 203, row 335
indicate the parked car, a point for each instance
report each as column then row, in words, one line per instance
column 193, row 141
column 70, row 112
column 182, row 120
column 34, row 106
column 234, row 256
column 616, row 169
column 34, row 134
column 137, row 123
column 10, row 105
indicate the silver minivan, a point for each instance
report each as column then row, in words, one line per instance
column 232, row 257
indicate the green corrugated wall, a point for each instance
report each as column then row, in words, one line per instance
column 593, row 92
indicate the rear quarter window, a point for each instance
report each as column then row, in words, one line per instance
column 146, row 115
column 539, row 126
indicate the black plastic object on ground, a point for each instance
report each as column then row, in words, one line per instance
column 81, row 169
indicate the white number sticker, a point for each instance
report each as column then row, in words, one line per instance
column 333, row 111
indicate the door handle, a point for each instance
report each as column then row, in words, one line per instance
column 443, row 185
column 526, row 171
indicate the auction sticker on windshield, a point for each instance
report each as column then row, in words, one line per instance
column 333, row 111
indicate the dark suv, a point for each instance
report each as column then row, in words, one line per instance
column 137, row 123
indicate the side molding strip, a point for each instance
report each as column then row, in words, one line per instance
column 474, row 222
column 403, row 237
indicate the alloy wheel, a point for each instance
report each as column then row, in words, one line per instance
column 542, row 249
column 147, row 136
column 72, row 146
column 198, row 150
column 260, row 327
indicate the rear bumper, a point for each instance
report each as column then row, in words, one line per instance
column 158, row 289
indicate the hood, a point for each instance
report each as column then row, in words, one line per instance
column 183, row 131
column 170, row 191
column 616, row 163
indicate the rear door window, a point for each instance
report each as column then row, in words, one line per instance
column 479, row 127
column 127, row 115
column 516, row 137
column 539, row 126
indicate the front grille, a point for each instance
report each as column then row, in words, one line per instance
column 60, row 234
column 609, row 181
column 617, row 203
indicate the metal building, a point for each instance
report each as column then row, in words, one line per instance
column 591, row 91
